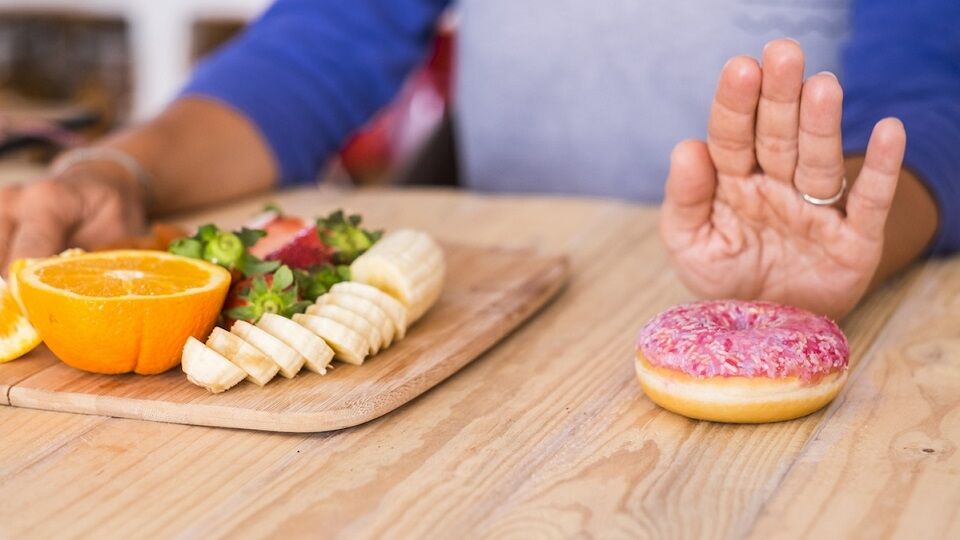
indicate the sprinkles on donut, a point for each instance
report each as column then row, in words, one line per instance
column 743, row 362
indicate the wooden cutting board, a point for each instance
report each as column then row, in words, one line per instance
column 489, row 292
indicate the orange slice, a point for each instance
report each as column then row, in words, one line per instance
column 122, row 311
column 17, row 336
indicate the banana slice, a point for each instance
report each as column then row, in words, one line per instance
column 207, row 368
column 288, row 360
column 364, row 308
column 394, row 309
column 406, row 264
column 305, row 342
column 349, row 346
column 358, row 324
column 259, row 368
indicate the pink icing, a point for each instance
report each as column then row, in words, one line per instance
column 728, row 338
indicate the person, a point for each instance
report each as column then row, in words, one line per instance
column 787, row 199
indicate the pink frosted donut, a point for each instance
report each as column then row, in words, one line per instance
column 736, row 361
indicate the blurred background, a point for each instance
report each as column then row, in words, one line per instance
column 72, row 70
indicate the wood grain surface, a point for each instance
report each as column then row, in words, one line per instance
column 547, row 435
column 488, row 293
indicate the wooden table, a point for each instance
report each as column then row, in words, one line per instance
column 547, row 435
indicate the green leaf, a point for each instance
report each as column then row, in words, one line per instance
column 250, row 313
column 298, row 307
column 187, row 247
column 287, row 297
column 249, row 237
column 272, row 207
column 345, row 236
column 251, row 266
column 314, row 284
column 259, row 286
column 206, row 233
column 282, row 278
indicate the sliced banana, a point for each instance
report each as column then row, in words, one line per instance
column 393, row 308
column 318, row 354
column 406, row 264
column 288, row 360
column 358, row 324
column 370, row 311
column 349, row 346
column 260, row 369
column 208, row 368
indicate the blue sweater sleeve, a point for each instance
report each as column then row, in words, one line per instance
column 903, row 60
column 310, row 72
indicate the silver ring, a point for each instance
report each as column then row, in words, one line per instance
column 829, row 201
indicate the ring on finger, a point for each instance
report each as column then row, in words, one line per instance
column 829, row 201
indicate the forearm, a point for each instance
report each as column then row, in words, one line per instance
column 198, row 152
column 911, row 224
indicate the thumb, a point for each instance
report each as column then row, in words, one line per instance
column 46, row 214
column 688, row 198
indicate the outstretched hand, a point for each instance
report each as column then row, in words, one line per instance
column 734, row 220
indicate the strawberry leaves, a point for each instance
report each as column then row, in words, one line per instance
column 314, row 284
column 346, row 237
column 230, row 250
column 271, row 293
column 294, row 275
column 249, row 237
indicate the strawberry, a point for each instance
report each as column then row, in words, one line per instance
column 290, row 240
column 276, row 292
column 279, row 232
column 304, row 251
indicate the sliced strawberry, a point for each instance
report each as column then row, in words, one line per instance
column 280, row 231
column 259, row 221
column 304, row 251
column 337, row 238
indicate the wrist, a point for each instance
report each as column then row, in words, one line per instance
column 96, row 176
column 106, row 165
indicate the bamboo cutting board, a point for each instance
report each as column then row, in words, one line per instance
column 488, row 293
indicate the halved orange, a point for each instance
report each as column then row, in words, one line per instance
column 17, row 336
column 122, row 311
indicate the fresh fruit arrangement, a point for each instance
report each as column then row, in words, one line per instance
column 287, row 293
column 392, row 282
column 280, row 264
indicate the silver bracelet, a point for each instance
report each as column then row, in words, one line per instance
column 111, row 155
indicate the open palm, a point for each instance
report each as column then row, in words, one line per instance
column 734, row 220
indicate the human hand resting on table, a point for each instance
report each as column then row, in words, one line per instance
column 87, row 205
column 734, row 220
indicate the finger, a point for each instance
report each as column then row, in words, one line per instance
column 778, row 113
column 8, row 202
column 872, row 194
column 688, row 199
column 46, row 214
column 820, row 160
column 732, row 117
